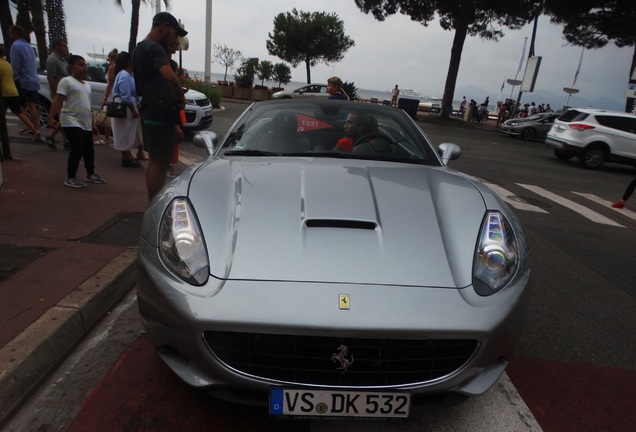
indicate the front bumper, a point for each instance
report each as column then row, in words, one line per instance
column 177, row 316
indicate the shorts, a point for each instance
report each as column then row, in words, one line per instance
column 159, row 140
column 13, row 103
column 31, row 96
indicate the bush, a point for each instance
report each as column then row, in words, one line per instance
column 206, row 88
column 350, row 89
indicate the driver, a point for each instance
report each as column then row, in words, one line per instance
column 358, row 124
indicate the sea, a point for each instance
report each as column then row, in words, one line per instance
column 380, row 95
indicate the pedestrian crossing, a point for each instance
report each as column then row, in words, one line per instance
column 519, row 203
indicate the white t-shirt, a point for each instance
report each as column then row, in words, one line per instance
column 76, row 111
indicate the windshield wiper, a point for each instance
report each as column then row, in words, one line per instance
column 250, row 153
column 333, row 154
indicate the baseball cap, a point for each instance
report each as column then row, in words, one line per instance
column 165, row 17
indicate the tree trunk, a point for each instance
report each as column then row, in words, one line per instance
column 56, row 19
column 6, row 21
column 134, row 25
column 630, row 102
column 37, row 19
column 308, row 67
column 461, row 30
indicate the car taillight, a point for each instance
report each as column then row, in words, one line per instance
column 580, row 127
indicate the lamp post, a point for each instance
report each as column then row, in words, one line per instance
column 208, row 40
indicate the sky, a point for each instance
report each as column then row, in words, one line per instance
column 395, row 51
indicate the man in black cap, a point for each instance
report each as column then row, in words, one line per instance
column 161, row 97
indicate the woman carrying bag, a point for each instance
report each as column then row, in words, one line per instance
column 125, row 134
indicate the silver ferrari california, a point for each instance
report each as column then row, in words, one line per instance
column 325, row 262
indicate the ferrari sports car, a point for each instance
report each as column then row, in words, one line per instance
column 324, row 261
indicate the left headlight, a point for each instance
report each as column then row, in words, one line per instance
column 181, row 243
column 497, row 255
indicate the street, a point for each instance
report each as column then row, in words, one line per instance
column 574, row 360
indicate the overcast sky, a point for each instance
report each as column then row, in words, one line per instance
column 396, row 51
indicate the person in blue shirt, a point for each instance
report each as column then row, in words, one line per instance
column 334, row 88
column 25, row 71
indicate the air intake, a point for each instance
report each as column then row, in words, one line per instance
column 333, row 223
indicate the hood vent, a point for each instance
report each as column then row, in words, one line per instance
column 334, row 223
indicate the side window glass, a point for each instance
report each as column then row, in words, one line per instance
column 610, row 122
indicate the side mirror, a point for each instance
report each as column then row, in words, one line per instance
column 206, row 140
column 449, row 152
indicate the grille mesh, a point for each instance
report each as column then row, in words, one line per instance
column 307, row 359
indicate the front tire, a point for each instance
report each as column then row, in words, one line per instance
column 593, row 157
column 43, row 106
column 529, row 134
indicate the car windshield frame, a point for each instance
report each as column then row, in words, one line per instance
column 317, row 126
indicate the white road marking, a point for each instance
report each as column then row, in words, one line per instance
column 630, row 214
column 580, row 209
column 514, row 200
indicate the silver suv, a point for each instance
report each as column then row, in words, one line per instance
column 594, row 136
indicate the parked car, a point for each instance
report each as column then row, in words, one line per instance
column 310, row 90
column 594, row 136
column 198, row 108
column 285, row 272
column 530, row 128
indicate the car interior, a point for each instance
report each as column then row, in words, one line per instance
column 316, row 129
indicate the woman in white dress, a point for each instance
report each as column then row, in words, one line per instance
column 125, row 130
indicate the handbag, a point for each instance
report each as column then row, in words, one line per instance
column 116, row 109
column 101, row 119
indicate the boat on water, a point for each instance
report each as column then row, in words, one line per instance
column 409, row 92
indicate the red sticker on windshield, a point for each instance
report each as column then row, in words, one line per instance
column 306, row 123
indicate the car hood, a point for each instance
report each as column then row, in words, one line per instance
column 292, row 219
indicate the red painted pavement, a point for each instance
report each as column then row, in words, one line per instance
column 141, row 394
column 566, row 397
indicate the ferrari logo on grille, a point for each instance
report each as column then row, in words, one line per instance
column 341, row 356
column 343, row 300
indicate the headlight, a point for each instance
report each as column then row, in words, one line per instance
column 496, row 257
column 191, row 102
column 181, row 244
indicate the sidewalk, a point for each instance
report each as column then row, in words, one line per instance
column 66, row 256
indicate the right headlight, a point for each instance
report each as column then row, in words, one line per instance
column 496, row 256
column 181, row 244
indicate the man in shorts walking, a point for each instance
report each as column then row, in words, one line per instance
column 25, row 69
column 161, row 97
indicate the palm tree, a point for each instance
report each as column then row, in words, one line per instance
column 134, row 20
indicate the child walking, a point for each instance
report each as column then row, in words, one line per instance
column 73, row 104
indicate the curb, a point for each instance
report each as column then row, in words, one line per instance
column 35, row 353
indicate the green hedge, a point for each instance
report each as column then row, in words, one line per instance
column 206, row 88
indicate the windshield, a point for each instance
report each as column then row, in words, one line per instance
column 328, row 129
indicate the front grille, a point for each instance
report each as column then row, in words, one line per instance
column 308, row 359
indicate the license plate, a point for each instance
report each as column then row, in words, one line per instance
column 337, row 403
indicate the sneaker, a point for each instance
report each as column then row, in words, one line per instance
column 74, row 183
column 619, row 204
column 50, row 142
column 94, row 178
